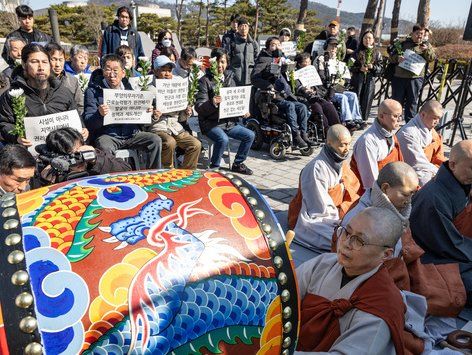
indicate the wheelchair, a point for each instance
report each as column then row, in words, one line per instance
column 271, row 127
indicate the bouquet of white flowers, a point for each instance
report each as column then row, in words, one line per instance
column 18, row 100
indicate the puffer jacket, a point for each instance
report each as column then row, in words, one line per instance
column 243, row 54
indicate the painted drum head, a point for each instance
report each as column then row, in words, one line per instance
column 158, row 262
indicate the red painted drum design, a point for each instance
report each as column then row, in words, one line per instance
column 158, row 262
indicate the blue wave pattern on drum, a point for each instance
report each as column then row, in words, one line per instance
column 206, row 305
column 61, row 296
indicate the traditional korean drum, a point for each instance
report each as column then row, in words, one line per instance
column 170, row 261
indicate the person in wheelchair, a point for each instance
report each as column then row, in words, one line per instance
column 336, row 79
column 218, row 130
column 321, row 109
column 267, row 75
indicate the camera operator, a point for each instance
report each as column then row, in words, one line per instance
column 68, row 157
column 17, row 167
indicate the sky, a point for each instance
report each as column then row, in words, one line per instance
column 452, row 12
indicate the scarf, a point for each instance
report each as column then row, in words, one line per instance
column 387, row 134
column 336, row 160
column 379, row 199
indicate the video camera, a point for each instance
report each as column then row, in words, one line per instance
column 63, row 164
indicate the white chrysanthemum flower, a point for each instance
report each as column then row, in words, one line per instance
column 16, row 92
column 144, row 59
column 213, row 59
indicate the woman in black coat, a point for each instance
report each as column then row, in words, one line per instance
column 367, row 66
column 207, row 106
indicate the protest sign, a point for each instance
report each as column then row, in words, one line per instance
column 289, row 48
column 317, row 47
column 234, row 101
column 171, row 94
column 127, row 106
column 308, row 76
column 136, row 82
column 37, row 128
column 413, row 62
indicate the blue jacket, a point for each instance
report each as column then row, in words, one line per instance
column 92, row 118
column 111, row 40
column 68, row 69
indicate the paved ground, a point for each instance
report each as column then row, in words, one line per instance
column 278, row 180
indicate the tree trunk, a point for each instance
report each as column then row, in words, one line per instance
column 207, row 24
column 395, row 17
column 302, row 12
column 256, row 22
column 423, row 13
column 199, row 21
column 379, row 19
column 178, row 13
column 369, row 15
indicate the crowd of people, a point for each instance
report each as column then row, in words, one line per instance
column 386, row 230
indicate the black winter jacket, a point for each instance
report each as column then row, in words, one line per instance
column 58, row 99
column 208, row 113
column 19, row 33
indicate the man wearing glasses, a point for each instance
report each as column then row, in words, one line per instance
column 421, row 145
column 378, row 145
column 350, row 304
column 27, row 32
column 120, row 33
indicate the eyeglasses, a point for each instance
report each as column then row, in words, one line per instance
column 355, row 242
column 110, row 72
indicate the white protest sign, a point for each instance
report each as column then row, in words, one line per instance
column 289, row 48
column 171, row 94
column 308, row 76
column 413, row 62
column 37, row 128
column 234, row 101
column 127, row 106
column 336, row 67
column 317, row 47
column 137, row 81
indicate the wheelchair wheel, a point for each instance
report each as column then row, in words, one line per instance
column 307, row 151
column 277, row 150
column 258, row 140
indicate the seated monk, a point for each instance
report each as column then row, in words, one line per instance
column 420, row 144
column 327, row 189
column 378, row 145
column 441, row 216
column 349, row 303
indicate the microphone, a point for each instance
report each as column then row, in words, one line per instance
column 59, row 164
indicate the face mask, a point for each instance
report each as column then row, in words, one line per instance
column 166, row 42
column 277, row 53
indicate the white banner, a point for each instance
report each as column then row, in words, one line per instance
column 289, row 48
column 171, row 94
column 127, row 106
column 317, row 47
column 37, row 128
column 308, row 76
column 136, row 81
column 234, row 101
column 413, row 62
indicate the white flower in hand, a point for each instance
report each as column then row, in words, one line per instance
column 16, row 92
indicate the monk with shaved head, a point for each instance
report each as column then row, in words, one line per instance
column 326, row 191
column 378, row 145
column 420, row 144
column 441, row 216
column 349, row 303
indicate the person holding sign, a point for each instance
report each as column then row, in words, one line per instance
column 110, row 138
column 218, row 130
column 406, row 85
column 168, row 127
column 44, row 94
column 313, row 95
column 267, row 75
column 336, row 78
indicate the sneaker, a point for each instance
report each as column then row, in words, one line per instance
column 214, row 167
column 305, row 137
column 298, row 142
column 241, row 168
column 362, row 125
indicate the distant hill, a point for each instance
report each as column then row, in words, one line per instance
column 325, row 14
